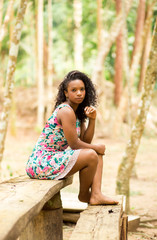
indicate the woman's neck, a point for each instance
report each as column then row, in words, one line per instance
column 73, row 106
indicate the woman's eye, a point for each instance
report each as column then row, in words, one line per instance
column 73, row 90
column 82, row 89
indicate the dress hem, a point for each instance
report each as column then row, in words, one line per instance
column 70, row 165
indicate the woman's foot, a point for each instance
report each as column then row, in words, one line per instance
column 100, row 199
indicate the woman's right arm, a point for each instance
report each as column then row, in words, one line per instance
column 67, row 118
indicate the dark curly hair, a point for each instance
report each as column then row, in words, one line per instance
column 90, row 96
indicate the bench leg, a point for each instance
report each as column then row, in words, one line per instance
column 47, row 225
column 124, row 227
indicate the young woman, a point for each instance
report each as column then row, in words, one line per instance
column 64, row 146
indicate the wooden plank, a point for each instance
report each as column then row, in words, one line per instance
column 97, row 223
column 71, row 217
column 124, row 227
column 23, row 198
column 71, row 203
column 100, row 222
column 133, row 223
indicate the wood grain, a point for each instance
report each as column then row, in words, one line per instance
column 23, row 198
column 99, row 223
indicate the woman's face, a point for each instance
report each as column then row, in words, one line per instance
column 75, row 92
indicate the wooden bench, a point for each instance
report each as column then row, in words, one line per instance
column 31, row 209
column 102, row 223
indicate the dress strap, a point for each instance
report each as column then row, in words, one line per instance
column 63, row 105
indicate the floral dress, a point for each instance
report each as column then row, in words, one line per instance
column 51, row 157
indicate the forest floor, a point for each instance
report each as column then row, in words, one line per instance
column 143, row 195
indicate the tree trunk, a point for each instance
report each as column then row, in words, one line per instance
column 125, row 168
column 1, row 16
column 6, row 20
column 3, row 28
column 124, row 98
column 126, row 68
column 99, row 23
column 78, row 38
column 107, row 43
column 147, row 45
column 139, row 26
column 10, row 74
column 40, row 80
column 1, row 12
column 118, row 77
column 139, row 41
column 50, row 64
column 144, row 59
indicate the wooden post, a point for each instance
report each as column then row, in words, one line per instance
column 124, row 227
column 47, row 225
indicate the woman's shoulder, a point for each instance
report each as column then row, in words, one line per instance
column 65, row 111
column 62, row 105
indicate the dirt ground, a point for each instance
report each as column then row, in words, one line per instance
column 143, row 195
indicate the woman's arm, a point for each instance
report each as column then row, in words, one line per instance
column 88, row 133
column 67, row 118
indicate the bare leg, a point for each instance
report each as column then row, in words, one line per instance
column 86, row 165
column 96, row 195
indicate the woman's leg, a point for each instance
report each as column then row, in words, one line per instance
column 90, row 167
column 86, row 165
column 96, row 195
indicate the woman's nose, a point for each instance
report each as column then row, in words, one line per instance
column 78, row 92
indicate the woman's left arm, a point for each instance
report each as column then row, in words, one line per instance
column 88, row 133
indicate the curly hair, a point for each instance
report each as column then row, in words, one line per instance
column 90, row 96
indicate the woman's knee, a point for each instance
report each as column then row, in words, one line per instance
column 92, row 157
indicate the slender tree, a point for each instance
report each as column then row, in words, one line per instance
column 125, row 168
column 1, row 15
column 125, row 99
column 50, row 57
column 40, row 80
column 1, row 12
column 78, row 38
column 107, row 43
column 147, row 44
column 99, row 23
column 6, row 20
column 139, row 41
column 139, row 26
column 118, row 77
column 3, row 28
column 10, row 74
column 122, row 108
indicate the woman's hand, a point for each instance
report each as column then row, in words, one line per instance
column 100, row 149
column 90, row 112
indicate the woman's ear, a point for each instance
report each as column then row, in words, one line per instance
column 66, row 93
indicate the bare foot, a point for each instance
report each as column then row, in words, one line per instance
column 100, row 199
column 84, row 197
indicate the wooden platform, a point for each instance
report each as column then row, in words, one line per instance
column 102, row 223
column 22, row 198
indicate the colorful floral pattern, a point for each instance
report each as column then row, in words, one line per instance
column 51, row 157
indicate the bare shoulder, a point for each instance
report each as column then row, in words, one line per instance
column 66, row 113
